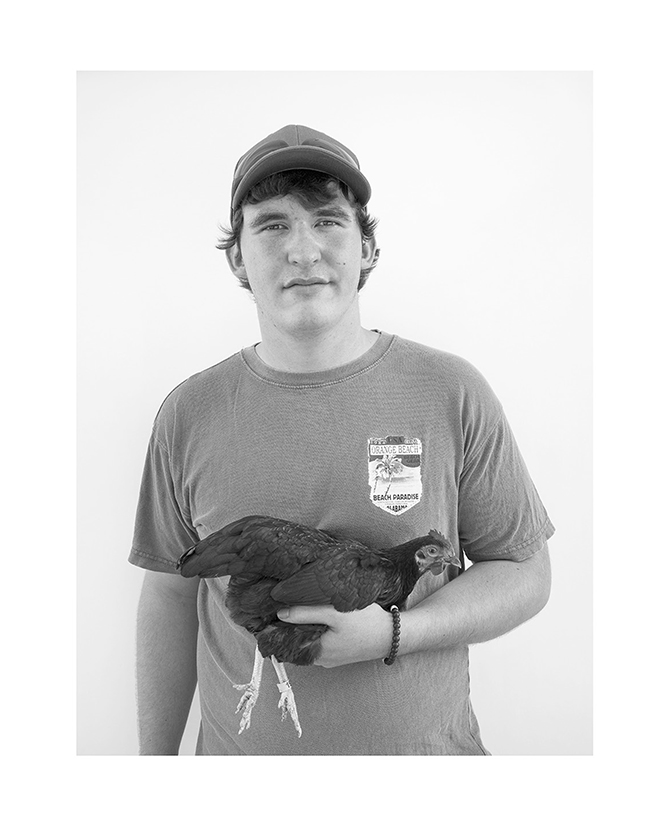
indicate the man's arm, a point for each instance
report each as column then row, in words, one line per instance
column 166, row 660
column 487, row 600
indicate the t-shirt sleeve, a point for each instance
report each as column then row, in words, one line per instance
column 163, row 529
column 501, row 516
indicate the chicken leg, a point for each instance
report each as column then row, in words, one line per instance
column 287, row 699
column 250, row 695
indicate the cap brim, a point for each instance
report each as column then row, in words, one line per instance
column 317, row 160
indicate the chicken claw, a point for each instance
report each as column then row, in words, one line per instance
column 250, row 695
column 287, row 704
column 246, row 704
column 287, row 700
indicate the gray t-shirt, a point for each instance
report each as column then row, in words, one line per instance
column 400, row 441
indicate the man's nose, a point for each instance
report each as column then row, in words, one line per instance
column 303, row 246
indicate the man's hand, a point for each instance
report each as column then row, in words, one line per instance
column 482, row 603
column 355, row 636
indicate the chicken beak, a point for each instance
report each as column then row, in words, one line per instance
column 438, row 567
column 438, row 564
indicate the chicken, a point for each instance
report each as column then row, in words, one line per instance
column 274, row 563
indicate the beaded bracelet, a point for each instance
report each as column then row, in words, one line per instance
column 395, row 646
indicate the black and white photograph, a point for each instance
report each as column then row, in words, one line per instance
column 334, row 387
column 335, row 342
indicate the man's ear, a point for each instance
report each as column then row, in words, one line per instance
column 370, row 253
column 236, row 262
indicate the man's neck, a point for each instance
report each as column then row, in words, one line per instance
column 309, row 353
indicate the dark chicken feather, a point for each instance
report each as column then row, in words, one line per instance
column 274, row 563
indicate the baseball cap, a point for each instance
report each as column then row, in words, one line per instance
column 298, row 147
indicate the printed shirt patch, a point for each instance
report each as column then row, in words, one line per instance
column 394, row 472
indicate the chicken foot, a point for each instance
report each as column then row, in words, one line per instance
column 250, row 695
column 287, row 699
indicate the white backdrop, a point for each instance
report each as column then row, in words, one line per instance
column 482, row 183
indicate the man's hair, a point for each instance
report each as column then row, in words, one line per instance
column 311, row 189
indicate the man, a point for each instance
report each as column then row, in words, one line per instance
column 338, row 427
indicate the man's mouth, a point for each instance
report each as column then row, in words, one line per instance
column 306, row 281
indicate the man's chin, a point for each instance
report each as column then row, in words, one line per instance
column 308, row 325
column 310, row 313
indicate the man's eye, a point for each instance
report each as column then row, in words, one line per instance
column 327, row 222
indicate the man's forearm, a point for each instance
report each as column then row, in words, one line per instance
column 166, row 666
column 486, row 601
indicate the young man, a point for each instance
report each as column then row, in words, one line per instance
column 357, row 432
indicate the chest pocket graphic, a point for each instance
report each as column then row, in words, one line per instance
column 394, row 468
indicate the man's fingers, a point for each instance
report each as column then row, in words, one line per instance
column 308, row 615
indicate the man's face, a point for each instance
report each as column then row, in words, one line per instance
column 303, row 264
